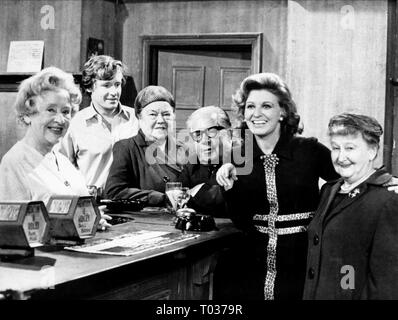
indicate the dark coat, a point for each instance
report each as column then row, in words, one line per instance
column 131, row 176
column 302, row 161
column 209, row 199
column 361, row 231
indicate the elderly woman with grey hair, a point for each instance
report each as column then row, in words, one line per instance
column 276, row 201
column 353, row 238
column 32, row 169
column 144, row 163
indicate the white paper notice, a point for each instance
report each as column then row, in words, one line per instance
column 25, row 56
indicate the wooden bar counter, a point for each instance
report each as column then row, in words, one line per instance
column 180, row 271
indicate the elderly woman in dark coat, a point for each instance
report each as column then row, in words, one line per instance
column 353, row 239
column 144, row 163
column 273, row 203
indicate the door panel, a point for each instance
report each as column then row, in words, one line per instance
column 230, row 79
column 188, row 86
column 202, row 77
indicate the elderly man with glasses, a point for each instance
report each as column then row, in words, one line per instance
column 209, row 128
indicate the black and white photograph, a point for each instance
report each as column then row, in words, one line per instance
column 208, row 156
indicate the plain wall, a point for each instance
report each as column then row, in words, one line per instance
column 21, row 20
column 195, row 17
column 336, row 60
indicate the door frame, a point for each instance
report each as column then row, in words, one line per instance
column 390, row 154
column 152, row 43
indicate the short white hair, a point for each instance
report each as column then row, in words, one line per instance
column 217, row 114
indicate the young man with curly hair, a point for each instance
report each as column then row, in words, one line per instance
column 94, row 130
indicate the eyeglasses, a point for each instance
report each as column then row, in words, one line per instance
column 211, row 132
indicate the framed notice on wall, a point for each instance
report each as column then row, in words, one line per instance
column 25, row 56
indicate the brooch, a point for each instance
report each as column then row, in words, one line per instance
column 354, row 193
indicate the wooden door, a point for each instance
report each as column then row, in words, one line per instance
column 202, row 76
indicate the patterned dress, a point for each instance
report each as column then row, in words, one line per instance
column 273, row 205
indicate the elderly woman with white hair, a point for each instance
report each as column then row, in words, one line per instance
column 31, row 169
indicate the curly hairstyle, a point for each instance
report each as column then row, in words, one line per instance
column 101, row 68
column 274, row 84
column 351, row 124
column 48, row 79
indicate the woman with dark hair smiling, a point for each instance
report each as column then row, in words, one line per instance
column 275, row 202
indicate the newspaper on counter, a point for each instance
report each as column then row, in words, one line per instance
column 133, row 243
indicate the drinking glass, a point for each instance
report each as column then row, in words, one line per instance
column 173, row 190
column 183, row 198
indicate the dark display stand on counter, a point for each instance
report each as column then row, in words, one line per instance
column 181, row 271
